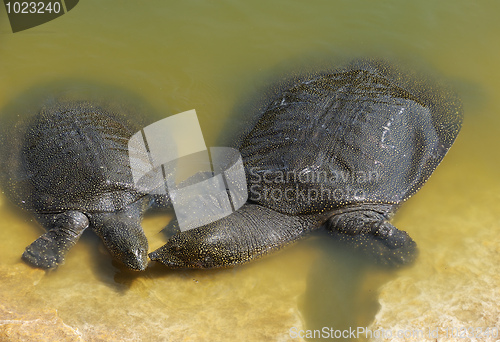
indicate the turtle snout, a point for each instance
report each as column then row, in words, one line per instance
column 132, row 252
column 136, row 259
column 170, row 255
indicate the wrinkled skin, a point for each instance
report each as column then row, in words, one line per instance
column 69, row 165
column 209, row 246
column 385, row 130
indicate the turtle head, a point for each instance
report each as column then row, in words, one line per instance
column 217, row 244
column 134, row 257
column 124, row 238
column 190, row 250
column 246, row 234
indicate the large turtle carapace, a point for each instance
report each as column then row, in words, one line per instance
column 343, row 150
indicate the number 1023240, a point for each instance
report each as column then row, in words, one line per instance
column 32, row 7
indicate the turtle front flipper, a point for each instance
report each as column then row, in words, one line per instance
column 123, row 236
column 246, row 234
column 369, row 231
column 63, row 231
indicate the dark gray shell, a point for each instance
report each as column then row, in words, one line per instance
column 71, row 156
column 367, row 134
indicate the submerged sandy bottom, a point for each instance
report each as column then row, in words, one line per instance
column 88, row 299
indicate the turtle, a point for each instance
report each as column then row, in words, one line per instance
column 341, row 150
column 69, row 165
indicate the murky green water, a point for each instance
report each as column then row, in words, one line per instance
column 214, row 56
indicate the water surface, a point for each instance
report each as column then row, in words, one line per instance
column 216, row 57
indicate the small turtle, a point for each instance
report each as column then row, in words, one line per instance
column 341, row 150
column 69, row 164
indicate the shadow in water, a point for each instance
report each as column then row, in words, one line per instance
column 342, row 292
